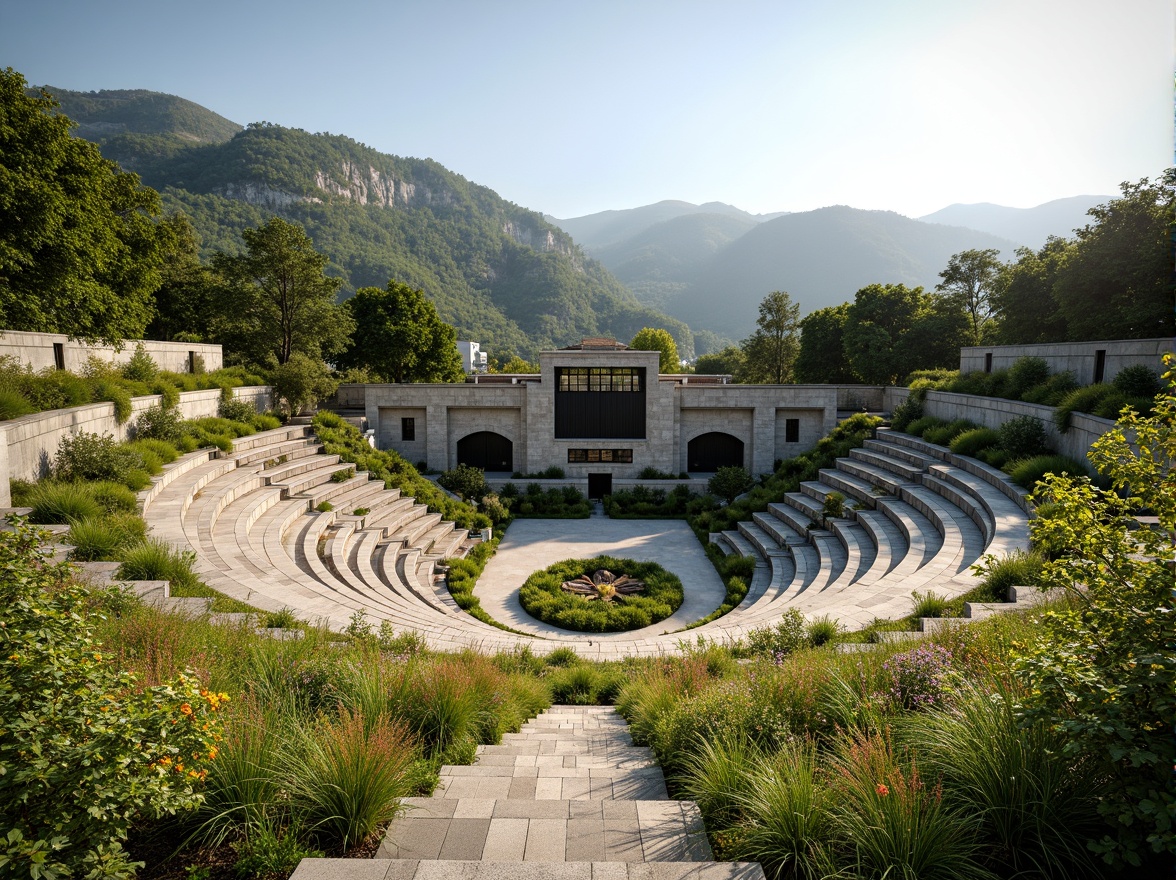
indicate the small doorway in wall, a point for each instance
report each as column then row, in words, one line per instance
column 1100, row 364
column 988, row 362
column 599, row 485
column 59, row 355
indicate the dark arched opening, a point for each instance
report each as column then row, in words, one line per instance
column 709, row 452
column 486, row 450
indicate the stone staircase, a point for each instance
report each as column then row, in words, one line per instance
column 569, row 797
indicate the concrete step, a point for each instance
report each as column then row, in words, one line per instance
column 448, row 869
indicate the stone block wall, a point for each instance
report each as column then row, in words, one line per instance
column 28, row 444
column 1076, row 357
column 36, row 350
column 992, row 412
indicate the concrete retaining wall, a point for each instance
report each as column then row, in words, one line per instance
column 992, row 412
column 36, row 350
column 28, row 444
column 1079, row 358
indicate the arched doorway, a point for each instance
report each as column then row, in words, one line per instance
column 486, row 450
column 709, row 452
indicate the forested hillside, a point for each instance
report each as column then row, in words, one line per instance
column 501, row 274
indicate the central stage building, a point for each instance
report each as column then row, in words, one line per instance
column 598, row 410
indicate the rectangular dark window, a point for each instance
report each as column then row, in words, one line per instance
column 600, row 402
column 988, row 362
column 1100, row 364
column 408, row 429
column 191, row 362
column 605, row 456
column 59, row 355
column 792, row 430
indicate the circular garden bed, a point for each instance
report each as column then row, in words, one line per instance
column 543, row 596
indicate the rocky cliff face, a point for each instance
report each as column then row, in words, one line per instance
column 262, row 195
column 543, row 240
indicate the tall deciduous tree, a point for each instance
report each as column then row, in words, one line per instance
column 729, row 362
column 659, row 340
column 969, row 280
column 1023, row 296
column 892, row 330
column 400, row 336
column 80, row 250
column 279, row 299
column 771, row 350
column 1117, row 281
column 821, row 358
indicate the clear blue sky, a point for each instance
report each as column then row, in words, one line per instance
column 907, row 105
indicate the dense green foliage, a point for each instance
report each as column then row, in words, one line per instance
column 821, row 355
column 543, row 598
column 278, row 299
column 399, row 337
column 891, row 329
column 86, row 751
column 659, row 340
column 968, row 281
column 557, row 502
column 80, row 248
column 770, row 351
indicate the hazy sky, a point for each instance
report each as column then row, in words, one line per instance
column 571, row 108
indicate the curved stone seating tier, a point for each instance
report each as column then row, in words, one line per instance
column 913, row 519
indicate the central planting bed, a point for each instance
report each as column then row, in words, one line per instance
column 543, row 596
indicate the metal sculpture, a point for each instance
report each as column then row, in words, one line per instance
column 604, row 586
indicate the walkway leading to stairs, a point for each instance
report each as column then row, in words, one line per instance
column 569, row 797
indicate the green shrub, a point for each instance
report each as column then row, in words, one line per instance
column 833, row 506
column 942, row 436
column 343, row 475
column 466, row 481
column 1022, row 437
column 908, row 411
column 111, row 392
column 822, row 630
column 165, row 452
column 1138, row 380
column 85, row 456
column 778, row 641
column 993, row 456
column 62, row 503
column 1110, row 405
column 542, row 597
column 268, row 851
column 1084, row 400
column 1025, row 373
column 324, row 507
column 235, row 410
column 582, row 684
column 1053, row 391
column 920, row 426
column 562, row 656
column 141, row 367
column 971, row 442
column 13, row 405
column 729, row 482
column 159, row 423
column 1027, row 472
column 75, row 723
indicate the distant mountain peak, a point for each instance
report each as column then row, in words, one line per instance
column 1026, row 226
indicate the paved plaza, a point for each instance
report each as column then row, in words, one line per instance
column 534, row 544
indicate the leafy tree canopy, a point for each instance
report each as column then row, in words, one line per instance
column 399, row 335
column 656, row 339
column 771, row 350
column 1023, row 296
column 80, row 250
column 278, row 300
column 728, row 362
column 821, row 358
column 892, row 330
column 969, row 280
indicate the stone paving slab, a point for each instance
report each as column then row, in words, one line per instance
column 412, row 869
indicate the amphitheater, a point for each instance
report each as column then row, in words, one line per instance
column 916, row 517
